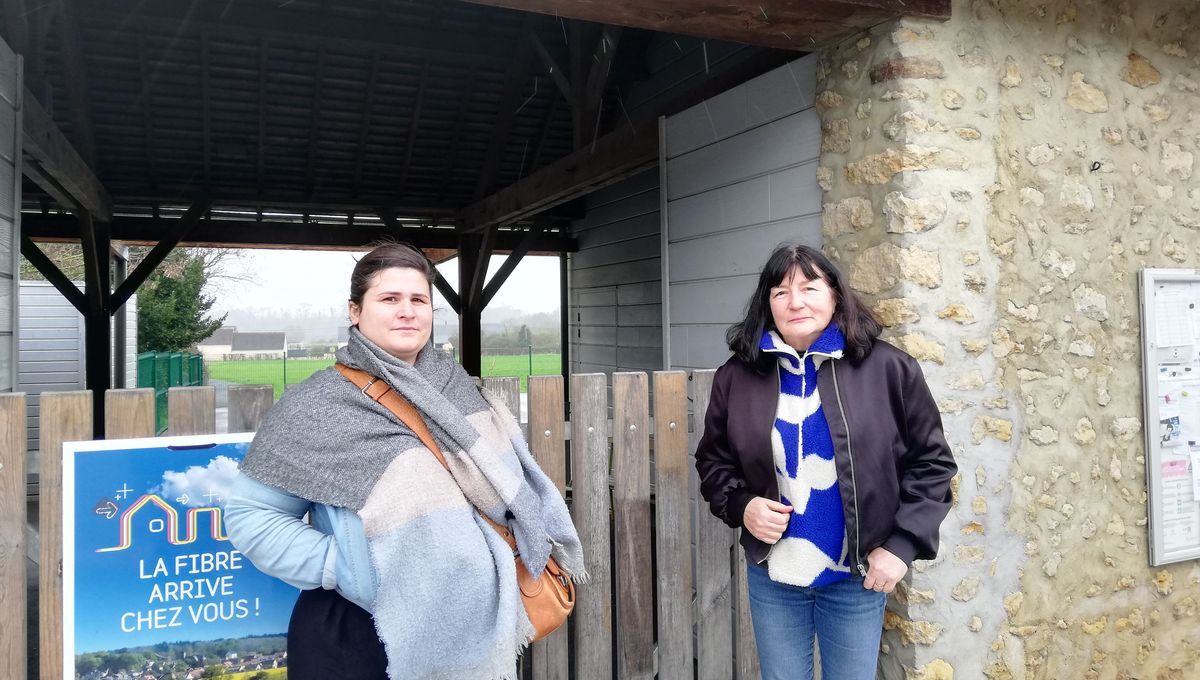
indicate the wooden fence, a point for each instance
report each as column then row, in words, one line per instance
column 667, row 596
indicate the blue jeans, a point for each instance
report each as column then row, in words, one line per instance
column 846, row 619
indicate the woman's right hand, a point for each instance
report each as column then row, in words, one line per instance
column 766, row 519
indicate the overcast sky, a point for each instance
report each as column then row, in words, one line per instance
column 294, row 279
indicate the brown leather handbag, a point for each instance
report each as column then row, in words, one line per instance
column 549, row 599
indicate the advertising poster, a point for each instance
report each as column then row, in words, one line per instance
column 151, row 584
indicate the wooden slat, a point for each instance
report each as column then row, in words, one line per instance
column 248, row 405
column 631, row 514
column 714, row 624
column 744, row 647
column 546, row 441
column 509, row 391
column 673, row 526
column 191, row 410
column 64, row 417
column 590, row 508
column 129, row 414
column 12, row 535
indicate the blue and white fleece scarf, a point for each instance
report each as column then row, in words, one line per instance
column 447, row 605
column 813, row 550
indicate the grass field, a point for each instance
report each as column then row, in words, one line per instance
column 271, row 372
column 272, row 674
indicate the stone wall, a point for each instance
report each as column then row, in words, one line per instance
column 992, row 185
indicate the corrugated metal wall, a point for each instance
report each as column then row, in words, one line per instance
column 741, row 178
column 616, row 289
column 10, row 200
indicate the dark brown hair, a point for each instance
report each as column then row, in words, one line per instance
column 852, row 317
column 386, row 256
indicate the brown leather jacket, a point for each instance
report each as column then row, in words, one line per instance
column 893, row 463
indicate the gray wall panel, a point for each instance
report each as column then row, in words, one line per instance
column 51, row 348
column 629, row 272
column 741, row 178
column 10, row 225
column 615, row 253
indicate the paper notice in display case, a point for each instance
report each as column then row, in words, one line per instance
column 1170, row 315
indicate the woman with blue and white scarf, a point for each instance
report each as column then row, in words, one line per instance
column 823, row 444
column 400, row 575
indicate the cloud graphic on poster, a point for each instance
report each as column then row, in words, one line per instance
column 200, row 487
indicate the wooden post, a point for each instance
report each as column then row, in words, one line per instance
column 470, row 310
column 714, row 623
column 191, row 410
column 13, row 599
column 248, row 405
column 63, row 417
column 631, row 513
column 674, row 527
column 548, row 445
column 509, row 391
column 129, row 414
column 591, row 509
column 744, row 647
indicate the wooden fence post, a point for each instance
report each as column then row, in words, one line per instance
column 191, row 410
column 746, row 650
column 63, row 417
column 13, row 600
column 509, row 391
column 591, row 507
column 248, row 405
column 714, row 602
column 546, row 441
column 631, row 512
column 129, row 414
column 674, row 528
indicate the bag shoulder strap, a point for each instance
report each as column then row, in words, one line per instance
column 408, row 414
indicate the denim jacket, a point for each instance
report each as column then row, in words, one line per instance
column 329, row 551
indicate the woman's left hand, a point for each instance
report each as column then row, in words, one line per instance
column 884, row 571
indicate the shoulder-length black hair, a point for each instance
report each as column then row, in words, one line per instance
column 854, row 318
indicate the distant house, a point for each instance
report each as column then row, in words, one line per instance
column 268, row 345
column 217, row 346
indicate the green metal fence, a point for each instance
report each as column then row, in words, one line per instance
column 162, row 370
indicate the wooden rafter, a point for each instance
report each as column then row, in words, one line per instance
column 783, row 24
column 313, row 121
column 225, row 233
column 173, row 234
column 75, row 77
column 478, row 276
column 53, row 274
column 544, row 132
column 46, row 145
column 148, row 119
column 206, row 110
column 364, row 124
column 263, row 49
column 452, row 153
column 255, row 21
column 597, row 79
column 510, row 263
column 413, row 121
column 553, row 69
column 515, row 78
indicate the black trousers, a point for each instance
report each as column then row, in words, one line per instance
column 331, row 637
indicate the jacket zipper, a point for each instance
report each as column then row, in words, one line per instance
column 778, row 386
column 853, row 482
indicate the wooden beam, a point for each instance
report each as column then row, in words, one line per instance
column 783, row 24
column 473, row 293
column 314, row 119
column 552, row 68
column 547, row 121
column 292, row 25
column 510, row 263
column 413, row 122
column 219, row 233
column 515, row 78
column 46, row 144
column 616, row 156
column 170, row 239
column 597, row 80
column 447, row 292
column 53, row 274
column 75, row 78
column 364, row 123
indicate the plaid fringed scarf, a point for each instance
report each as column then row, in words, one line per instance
column 447, row 603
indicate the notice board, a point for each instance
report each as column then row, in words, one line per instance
column 151, row 583
column 1170, row 304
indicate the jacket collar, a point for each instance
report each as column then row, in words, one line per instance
column 831, row 344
